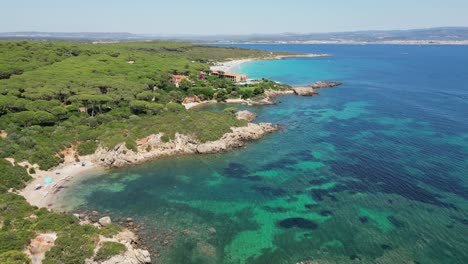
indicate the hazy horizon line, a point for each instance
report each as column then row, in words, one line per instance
column 234, row 34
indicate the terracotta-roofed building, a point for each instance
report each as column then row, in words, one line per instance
column 176, row 79
column 234, row 77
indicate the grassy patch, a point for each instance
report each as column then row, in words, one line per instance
column 73, row 246
column 108, row 250
column 110, row 230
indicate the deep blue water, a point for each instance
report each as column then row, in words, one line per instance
column 373, row 171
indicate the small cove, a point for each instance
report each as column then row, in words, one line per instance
column 374, row 170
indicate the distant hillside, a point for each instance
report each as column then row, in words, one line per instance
column 442, row 34
column 71, row 35
column 448, row 34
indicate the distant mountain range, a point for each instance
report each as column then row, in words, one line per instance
column 431, row 35
column 71, row 35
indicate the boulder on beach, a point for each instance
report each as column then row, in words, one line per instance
column 105, row 221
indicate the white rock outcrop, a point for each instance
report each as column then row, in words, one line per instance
column 131, row 256
column 304, row 91
column 105, row 221
column 246, row 115
column 153, row 146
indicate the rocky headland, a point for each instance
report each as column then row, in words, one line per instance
column 269, row 95
column 305, row 91
column 311, row 90
column 148, row 148
column 323, row 84
column 133, row 254
column 153, row 147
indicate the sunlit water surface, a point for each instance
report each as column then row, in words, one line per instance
column 374, row 171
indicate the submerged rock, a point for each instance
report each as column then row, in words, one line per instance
column 212, row 230
column 298, row 222
column 208, row 251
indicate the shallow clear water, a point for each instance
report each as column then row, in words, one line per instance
column 375, row 170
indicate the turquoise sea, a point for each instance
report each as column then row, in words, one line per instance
column 374, row 171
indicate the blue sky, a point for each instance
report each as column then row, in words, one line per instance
column 228, row 17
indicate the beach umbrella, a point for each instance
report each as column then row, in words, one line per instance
column 48, row 180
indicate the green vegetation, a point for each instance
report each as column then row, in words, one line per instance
column 57, row 95
column 73, row 246
column 230, row 110
column 108, row 250
column 14, row 257
column 110, row 230
column 21, row 222
column 12, row 177
column 104, row 94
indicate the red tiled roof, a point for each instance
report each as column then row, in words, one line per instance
column 179, row 78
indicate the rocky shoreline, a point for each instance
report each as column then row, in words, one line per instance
column 152, row 147
column 134, row 254
column 310, row 90
column 148, row 148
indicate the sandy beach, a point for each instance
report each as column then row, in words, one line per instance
column 46, row 195
column 228, row 66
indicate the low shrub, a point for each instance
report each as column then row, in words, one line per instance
column 230, row 110
column 14, row 257
column 87, row 148
column 14, row 240
column 108, row 250
column 110, row 230
column 73, row 246
column 47, row 221
column 12, row 176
